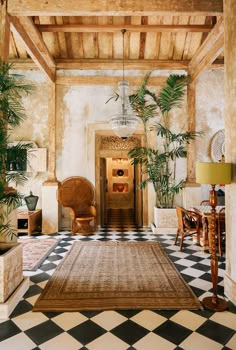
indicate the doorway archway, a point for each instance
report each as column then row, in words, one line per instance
column 108, row 148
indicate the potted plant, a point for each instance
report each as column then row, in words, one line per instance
column 159, row 162
column 12, row 114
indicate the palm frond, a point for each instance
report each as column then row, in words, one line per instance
column 12, row 113
column 171, row 95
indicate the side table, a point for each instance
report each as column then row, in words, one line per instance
column 29, row 221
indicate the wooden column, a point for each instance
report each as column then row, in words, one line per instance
column 230, row 144
column 50, row 206
column 191, row 193
column 4, row 32
column 52, row 133
column 191, row 148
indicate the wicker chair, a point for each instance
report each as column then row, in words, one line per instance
column 78, row 194
column 189, row 223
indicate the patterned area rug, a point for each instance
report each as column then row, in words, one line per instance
column 116, row 275
column 35, row 251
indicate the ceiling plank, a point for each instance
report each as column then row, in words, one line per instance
column 32, row 47
column 73, row 28
column 62, row 44
column 114, row 8
column 215, row 36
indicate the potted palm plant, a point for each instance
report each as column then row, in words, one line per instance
column 159, row 162
column 12, row 114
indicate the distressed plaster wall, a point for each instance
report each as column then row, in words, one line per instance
column 35, row 127
column 82, row 109
column 209, row 115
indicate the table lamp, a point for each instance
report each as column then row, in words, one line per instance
column 214, row 174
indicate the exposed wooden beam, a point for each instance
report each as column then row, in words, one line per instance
column 117, row 64
column 98, row 64
column 37, row 39
column 114, row 8
column 210, row 56
column 107, row 80
column 79, row 28
column 208, row 51
column 31, row 48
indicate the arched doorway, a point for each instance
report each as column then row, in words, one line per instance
column 116, row 179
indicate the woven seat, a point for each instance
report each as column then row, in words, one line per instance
column 78, row 194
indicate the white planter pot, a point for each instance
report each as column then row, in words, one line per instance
column 11, row 269
column 165, row 220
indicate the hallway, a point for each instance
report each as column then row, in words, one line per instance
column 120, row 219
column 123, row 329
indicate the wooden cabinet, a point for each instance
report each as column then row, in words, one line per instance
column 29, row 221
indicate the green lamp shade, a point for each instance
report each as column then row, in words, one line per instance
column 213, row 173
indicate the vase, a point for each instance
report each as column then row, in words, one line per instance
column 31, row 201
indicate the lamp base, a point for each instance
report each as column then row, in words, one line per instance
column 220, row 305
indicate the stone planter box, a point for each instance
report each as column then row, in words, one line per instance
column 11, row 269
column 165, row 220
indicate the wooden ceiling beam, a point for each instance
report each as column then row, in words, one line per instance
column 107, row 80
column 36, row 37
column 208, row 51
column 210, row 56
column 103, row 64
column 117, row 64
column 114, row 8
column 89, row 28
column 31, row 47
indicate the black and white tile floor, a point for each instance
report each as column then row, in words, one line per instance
column 126, row 329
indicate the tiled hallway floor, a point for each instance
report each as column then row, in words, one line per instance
column 126, row 329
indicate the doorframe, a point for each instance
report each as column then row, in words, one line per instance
column 115, row 153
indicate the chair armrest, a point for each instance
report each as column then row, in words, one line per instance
column 72, row 213
column 92, row 210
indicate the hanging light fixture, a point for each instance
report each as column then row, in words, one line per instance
column 124, row 123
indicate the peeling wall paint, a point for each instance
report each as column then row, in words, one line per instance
column 79, row 107
column 209, row 110
column 34, row 128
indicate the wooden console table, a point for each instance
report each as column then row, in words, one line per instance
column 29, row 221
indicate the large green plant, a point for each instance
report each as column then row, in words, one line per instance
column 12, row 114
column 159, row 163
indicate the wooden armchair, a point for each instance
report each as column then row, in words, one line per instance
column 189, row 223
column 78, row 194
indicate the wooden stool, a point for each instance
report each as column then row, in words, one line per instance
column 83, row 224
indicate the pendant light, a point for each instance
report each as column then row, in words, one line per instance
column 125, row 122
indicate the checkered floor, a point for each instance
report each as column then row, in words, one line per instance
column 126, row 329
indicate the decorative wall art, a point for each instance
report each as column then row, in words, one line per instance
column 218, row 146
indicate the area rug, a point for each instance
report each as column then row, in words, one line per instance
column 116, row 275
column 35, row 251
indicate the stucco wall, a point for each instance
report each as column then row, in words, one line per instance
column 81, row 107
column 209, row 115
column 35, row 127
